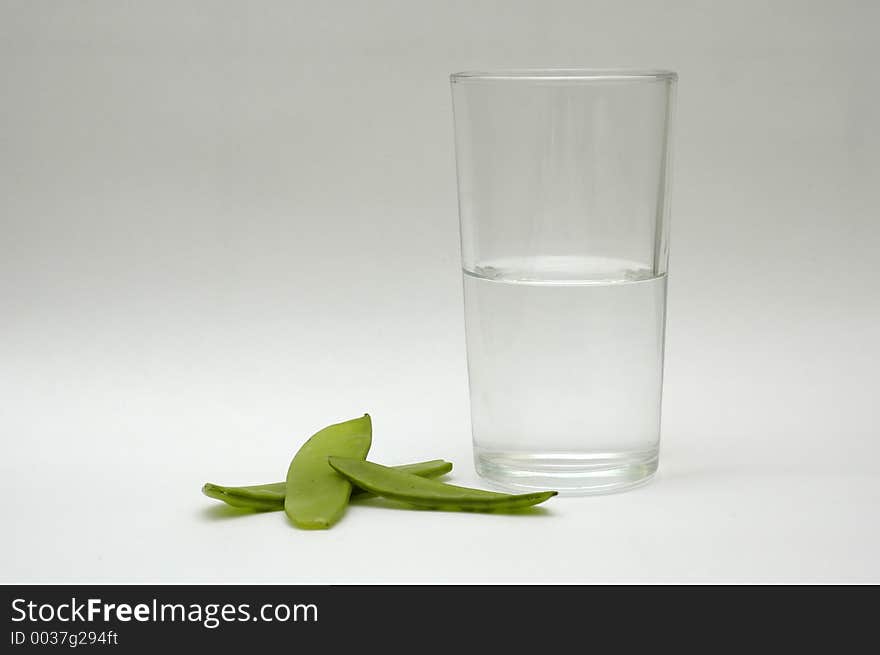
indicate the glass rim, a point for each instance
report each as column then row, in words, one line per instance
column 573, row 75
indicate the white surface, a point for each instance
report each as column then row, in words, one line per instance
column 113, row 440
column 222, row 228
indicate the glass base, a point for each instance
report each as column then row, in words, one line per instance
column 571, row 474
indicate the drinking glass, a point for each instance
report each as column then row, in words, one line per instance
column 563, row 186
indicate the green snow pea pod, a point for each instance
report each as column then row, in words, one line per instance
column 408, row 488
column 316, row 496
column 270, row 497
column 260, row 497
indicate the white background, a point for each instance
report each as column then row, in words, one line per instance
column 224, row 225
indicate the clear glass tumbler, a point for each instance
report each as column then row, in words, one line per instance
column 563, row 182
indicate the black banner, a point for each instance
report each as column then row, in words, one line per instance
column 242, row 618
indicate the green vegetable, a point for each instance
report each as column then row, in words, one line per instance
column 398, row 485
column 270, row 497
column 260, row 497
column 316, row 496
